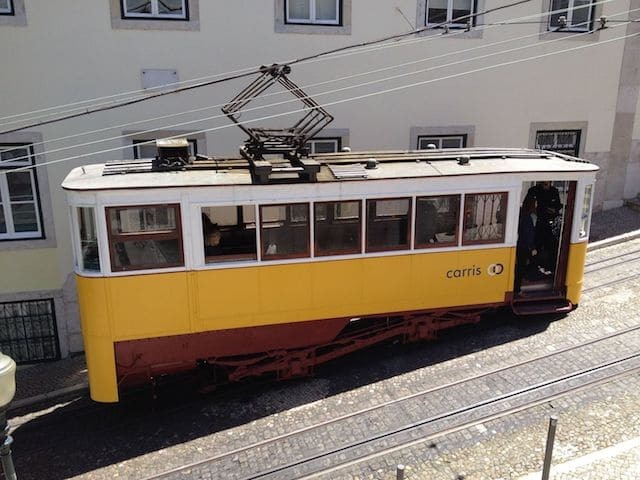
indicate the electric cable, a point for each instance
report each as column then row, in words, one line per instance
column 167, row 127
column 253, row 72
column 350, row 99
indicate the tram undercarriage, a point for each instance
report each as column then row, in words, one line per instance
column 144, row 361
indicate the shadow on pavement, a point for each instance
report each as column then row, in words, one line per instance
column 83, row 436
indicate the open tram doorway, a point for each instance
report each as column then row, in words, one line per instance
column 544, row 233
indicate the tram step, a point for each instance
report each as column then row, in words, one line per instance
column 540, row 307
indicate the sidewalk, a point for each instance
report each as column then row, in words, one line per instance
column 47, row 381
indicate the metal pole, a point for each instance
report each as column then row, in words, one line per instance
column 5, row 455
column 400, row 472
column 551, row 435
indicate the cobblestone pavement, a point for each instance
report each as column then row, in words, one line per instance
column 620, row 461
column 35, row 382
column 608, row 223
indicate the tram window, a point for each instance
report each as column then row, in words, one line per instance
column 437, row 221
column 388, row 224
column 484, row 215
column 284, row 231
column 229, row 233
column 337, row 228
column 144, row 237
column 586, row 212
column 90, row 256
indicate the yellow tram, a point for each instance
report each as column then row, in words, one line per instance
column 213, row 266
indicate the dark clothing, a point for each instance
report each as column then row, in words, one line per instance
column 547, row 238
column 526, row 233
column 548, row 199
column 524, row 248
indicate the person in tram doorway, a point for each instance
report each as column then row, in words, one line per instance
column 548, row 210
column 526, row 251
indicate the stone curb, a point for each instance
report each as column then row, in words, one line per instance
column 607, row 242
column 25, row 402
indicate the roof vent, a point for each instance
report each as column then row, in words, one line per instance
column 173, row 154
column 371, row 164
column 464, row 160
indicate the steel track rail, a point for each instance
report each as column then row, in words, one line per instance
column 587, row 264
column 613, row 282
column 415, row 395
column 479, row 421
column 449, row 415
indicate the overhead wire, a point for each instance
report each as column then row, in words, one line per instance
column 290, row 62
column 392, row 67
column 236, row 76
column 355, row 98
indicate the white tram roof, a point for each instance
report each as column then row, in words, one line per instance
column 335, row 167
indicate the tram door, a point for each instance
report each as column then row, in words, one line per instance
column 544, row 233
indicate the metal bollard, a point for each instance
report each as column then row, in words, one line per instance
column 551, row 435
column 400, row 472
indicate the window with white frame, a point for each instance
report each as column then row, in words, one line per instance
column 442, row 141
column 315, row 12
column 453, row 11
column 155, row 9
column 6, row 7
column 324, row 145
column 143, row 149
column 578, row 15
column 19, row 204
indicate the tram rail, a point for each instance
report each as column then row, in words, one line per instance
column 412, row 429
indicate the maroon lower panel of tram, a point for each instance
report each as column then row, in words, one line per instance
column 137, row 359
column 288, row 350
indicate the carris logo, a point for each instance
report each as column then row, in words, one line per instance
column 495, row 269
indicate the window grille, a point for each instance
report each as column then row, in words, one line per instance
column 28, row 331
column 561, row 141
column 160, row 9
column 484, row 215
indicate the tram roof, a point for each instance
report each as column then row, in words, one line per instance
column 334, row 167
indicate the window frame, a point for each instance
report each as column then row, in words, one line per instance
column 455, row 241
column 312, row 20
column 287, row 221
column 77, row 229
column 5, row 202
column 440, row 138
column 329, row 253
column 576, row 147
column 505, row 203
column 226, row 259
column 569, row 16
column 115, row 238
column 474, row 9
column 374, row 249
column 10, row 10
column 311, row 143
column 154, row 15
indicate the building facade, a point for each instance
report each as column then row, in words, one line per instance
column 538, row 74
